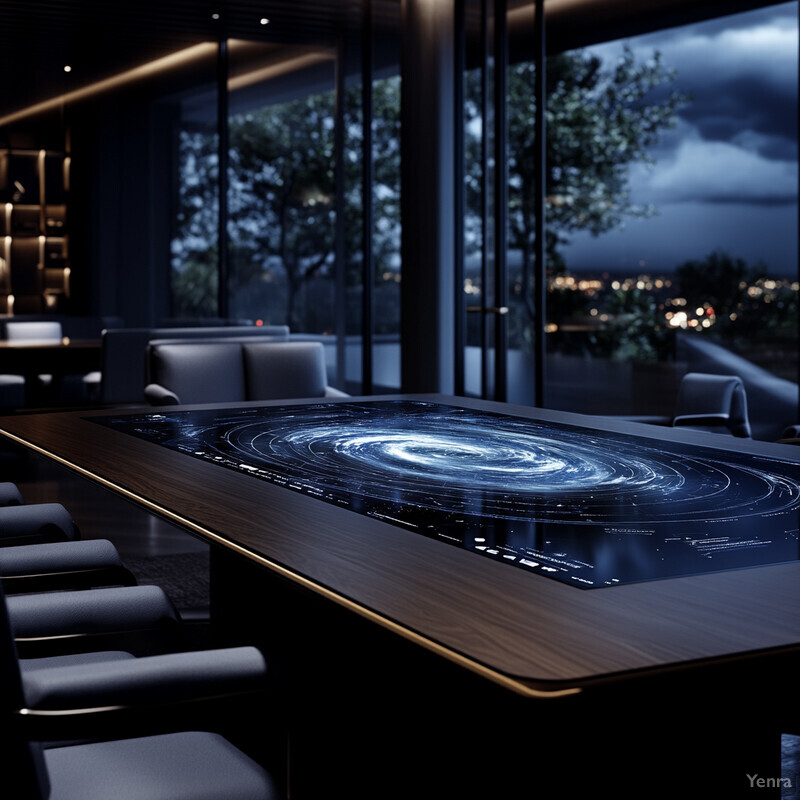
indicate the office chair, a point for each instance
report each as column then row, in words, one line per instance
column 230, row 371
column 716, row 403
column 147, row 725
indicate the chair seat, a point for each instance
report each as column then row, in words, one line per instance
column 181, row 766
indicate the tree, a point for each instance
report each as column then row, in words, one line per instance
column 727, row 285
column 600, row 120
column 283, row 183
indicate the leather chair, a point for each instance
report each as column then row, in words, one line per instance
column 716, row 403
column 145, row 726
column 124, row 353
column 229, row 372
column 707, row 402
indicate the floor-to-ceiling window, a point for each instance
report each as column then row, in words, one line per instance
column 677, row 248
column 669, row 203
column 311, row 220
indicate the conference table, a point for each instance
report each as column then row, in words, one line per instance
column 468, row 598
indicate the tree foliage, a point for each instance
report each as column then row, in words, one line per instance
column 283, row 180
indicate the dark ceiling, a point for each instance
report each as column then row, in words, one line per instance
column 100, row 38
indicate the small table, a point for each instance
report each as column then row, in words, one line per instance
column 58, row 358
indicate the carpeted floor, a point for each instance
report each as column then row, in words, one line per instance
column 183, row 576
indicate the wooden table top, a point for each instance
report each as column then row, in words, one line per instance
column 62, row 356
column 533, row 634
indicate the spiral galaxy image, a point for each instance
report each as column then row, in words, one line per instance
column 585, row 506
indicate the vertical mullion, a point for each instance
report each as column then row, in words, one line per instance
column 222, row 156
column 340, row 302
column 368, row 265
column 485, row 206
column 458, row 191
column 501, row 200
column 540, row 167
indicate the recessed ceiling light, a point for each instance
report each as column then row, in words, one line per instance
column 67, row 68
column 264, row 21
column 215, row 16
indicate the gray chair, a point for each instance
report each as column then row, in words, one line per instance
column 130, row 727
column 716, row 403
column 229, row 372
column 124, row 353
column 706, row 402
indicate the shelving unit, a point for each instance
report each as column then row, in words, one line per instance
column 34, row 238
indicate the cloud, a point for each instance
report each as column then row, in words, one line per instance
column 719, row 172
column 741, row 73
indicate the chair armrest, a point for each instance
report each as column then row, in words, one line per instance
column 52, row 566
column 158, row 395
column 139, row 619
column 150, row 680
column 36, row 523
column 124, row 698
column 701, row 419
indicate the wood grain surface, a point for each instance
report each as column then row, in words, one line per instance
column 533, row 634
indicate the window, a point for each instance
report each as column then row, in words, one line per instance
column 672, row 208
column 671, row 214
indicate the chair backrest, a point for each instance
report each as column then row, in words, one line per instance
column 284, row 370
column 125, row 354
column 199, row 372
column 713, row 402
column 40, row 331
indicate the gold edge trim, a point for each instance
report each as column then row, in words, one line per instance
column 451, row 655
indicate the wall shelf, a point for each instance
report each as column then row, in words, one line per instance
column 34, row 236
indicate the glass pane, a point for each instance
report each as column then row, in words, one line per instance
column 194, row 253
column 281, row 200
column 387, row 263
column 672, row 217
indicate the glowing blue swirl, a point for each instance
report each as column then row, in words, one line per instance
column 511, row 469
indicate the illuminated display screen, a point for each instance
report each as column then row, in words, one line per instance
column 587, row 507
